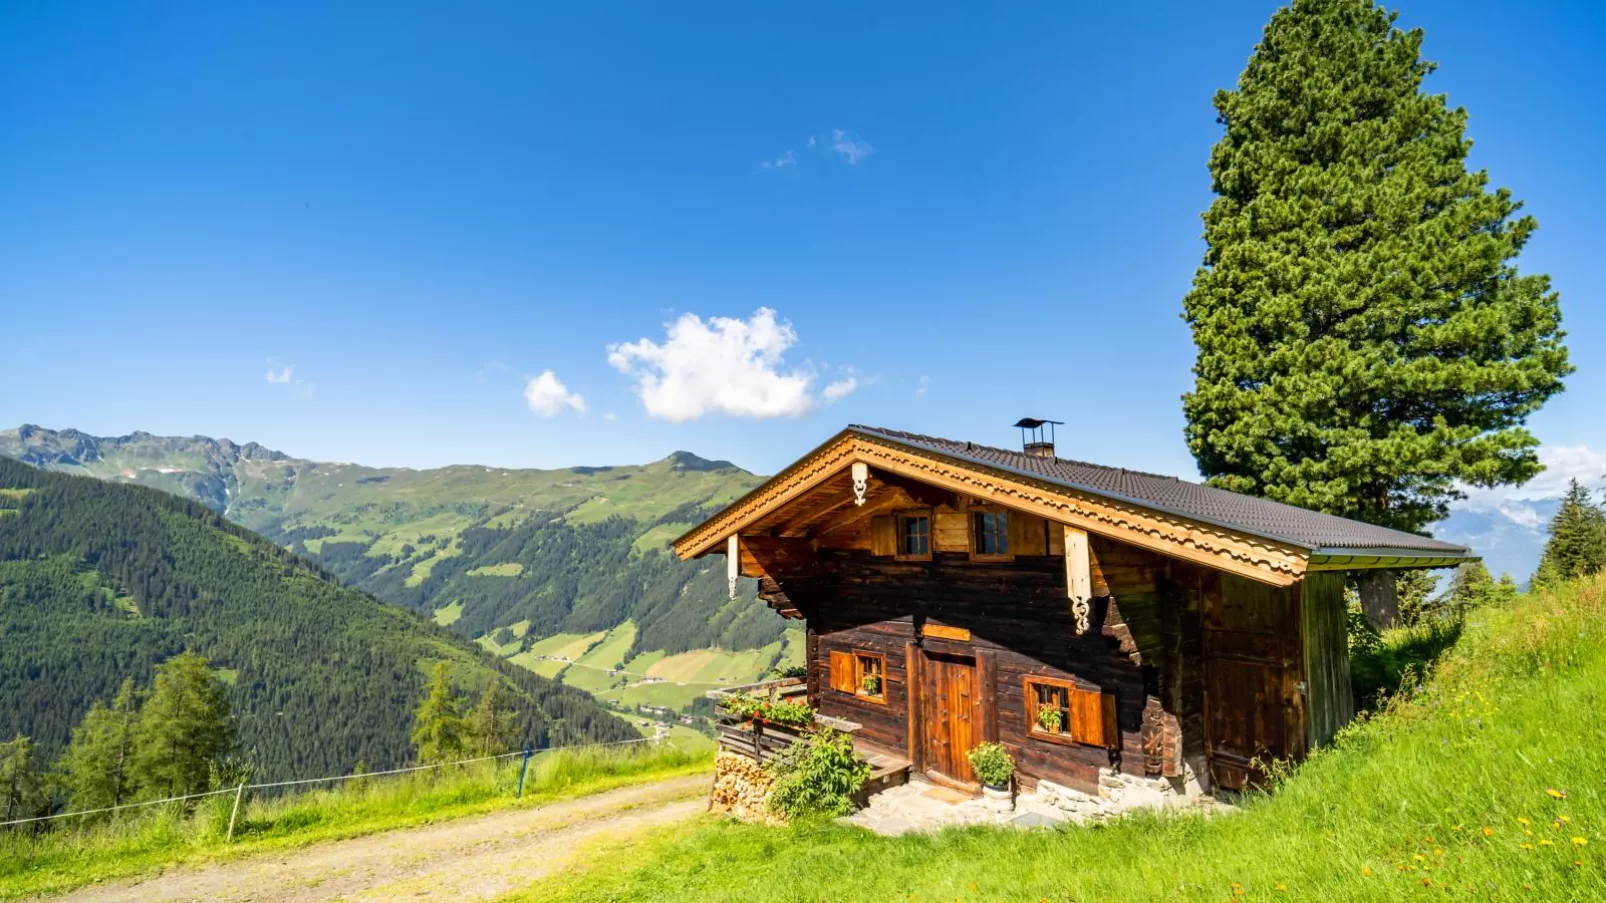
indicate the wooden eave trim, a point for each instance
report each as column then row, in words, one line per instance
column 1213, row 546
column 1364, row 561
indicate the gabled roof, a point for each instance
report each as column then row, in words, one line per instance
column 1253, row 537
column 1245, row 513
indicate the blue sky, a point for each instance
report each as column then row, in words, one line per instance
column 359, row 233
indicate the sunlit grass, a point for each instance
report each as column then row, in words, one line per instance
column 1487, row 783
column 76, row 854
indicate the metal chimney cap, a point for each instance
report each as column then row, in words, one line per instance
column 1032, row 423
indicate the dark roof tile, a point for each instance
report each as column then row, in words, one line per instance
column 1262, row 517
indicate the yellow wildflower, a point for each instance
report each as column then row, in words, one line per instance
column 1488, row 831
column 1556, row 794
column 1420, row 858
column 1545, row 842
column 1580, row 842
column 1523, row 821
column 1366, row 872
column 1527, row 846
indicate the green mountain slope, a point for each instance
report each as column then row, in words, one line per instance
column 538, row 552
column 99, row 581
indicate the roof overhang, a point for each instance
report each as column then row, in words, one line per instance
column 1223, row 547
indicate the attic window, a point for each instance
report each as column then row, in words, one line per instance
column 914, row 535
column 989, row 532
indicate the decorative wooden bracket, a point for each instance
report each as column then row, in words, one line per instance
column 1078, row 577
column 733, row 562
column 861, row 481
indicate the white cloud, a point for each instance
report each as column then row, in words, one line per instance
column 923, row 386
column 839, row 389
column 725, row 365
column 280, row 377
column 548, row 396
column 781, row 162
column 851, row 148
column 610, row 416
column 1563, row 463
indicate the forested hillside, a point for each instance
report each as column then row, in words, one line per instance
column 100, row 581
column 540, row 552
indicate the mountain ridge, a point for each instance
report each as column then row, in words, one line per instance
column 523, row 554
column 101, row 581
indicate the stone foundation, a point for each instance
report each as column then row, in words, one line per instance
column 741, row 788
column 1118, row 793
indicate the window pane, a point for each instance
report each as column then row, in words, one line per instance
column 914, row 536
column 991, row 529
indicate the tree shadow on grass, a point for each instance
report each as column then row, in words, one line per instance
column 1379, row 663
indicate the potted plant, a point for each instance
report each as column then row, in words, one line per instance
column 1050, row 720
column 871, row 684
column 995, row 767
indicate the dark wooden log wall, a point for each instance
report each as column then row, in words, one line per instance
column 1143, row 647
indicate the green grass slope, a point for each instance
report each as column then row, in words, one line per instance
column 99, row 581
column 1487, row 783
column 578, row 550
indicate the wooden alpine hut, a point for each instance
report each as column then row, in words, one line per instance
column 1098, row 622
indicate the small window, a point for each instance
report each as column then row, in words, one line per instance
column 990, row 532
column 914, row 536
column 1059, row 711
column 861, row 674
column 871, row 681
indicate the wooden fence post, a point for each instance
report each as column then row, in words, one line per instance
column 238, row 792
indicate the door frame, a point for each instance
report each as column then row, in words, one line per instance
column 920, row 658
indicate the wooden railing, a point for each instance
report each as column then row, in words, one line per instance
column 760, row 741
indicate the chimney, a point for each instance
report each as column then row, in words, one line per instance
column 1036, row 441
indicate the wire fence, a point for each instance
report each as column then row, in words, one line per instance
column 239, row 789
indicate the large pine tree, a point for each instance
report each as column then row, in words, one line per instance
column 1364, row 338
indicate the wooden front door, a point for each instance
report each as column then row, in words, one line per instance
column 948, row 723
column 1254, row 709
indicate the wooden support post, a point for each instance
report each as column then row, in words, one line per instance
column 238, row 792
column 733, row 562
column 1078, row 576
column 1380, row 598
column 523, row 767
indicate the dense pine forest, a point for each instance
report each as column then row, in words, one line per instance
column 570, row 578
column 100, row 582
column 572, row 550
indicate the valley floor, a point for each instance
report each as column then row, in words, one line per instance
column 466, row 859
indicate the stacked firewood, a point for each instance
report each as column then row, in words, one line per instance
column 741, row 788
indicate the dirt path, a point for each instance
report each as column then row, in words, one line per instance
column 476, row 858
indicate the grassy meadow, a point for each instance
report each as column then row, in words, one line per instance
column 1485, row 781
column 73, row 855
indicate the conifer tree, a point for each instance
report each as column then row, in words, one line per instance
column 1471, row 587
column 1577, row 543
column 96, row 768
column 184, row 728
column 21, row 789
column 1364, row 338
column 438, row 724
column 490, row 724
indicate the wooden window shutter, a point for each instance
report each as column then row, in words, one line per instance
column 842, row 672
column 884, row 535
column 1093, row 719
